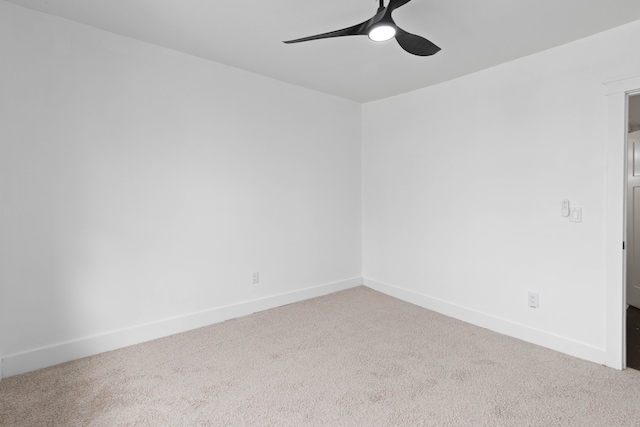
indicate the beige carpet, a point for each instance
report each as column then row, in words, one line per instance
column 354, row 358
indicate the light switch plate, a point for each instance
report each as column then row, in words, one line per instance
column 576, row 215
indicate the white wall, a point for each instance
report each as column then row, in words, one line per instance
column 139, row 184
column 462, row 184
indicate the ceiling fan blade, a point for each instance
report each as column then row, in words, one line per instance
column 394, row 4
column 356, row 30
column 415, row 44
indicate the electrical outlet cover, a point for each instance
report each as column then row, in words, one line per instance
column 533, row 300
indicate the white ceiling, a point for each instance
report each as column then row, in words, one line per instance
column 247, row 34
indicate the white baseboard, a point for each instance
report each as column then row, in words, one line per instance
column 496, row 324
column 31, row 360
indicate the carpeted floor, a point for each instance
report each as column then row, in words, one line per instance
column 354, row 358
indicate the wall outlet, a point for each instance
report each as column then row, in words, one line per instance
column 255, row 278
column 533, row 300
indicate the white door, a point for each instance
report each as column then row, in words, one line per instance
column 633, row 219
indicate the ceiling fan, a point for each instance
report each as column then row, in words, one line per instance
column 381, row 27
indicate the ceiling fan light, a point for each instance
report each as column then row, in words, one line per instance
column 382, row 33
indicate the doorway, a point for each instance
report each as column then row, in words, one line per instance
column 632, row 287
column 617, row 92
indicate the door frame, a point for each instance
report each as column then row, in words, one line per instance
column 617, row 92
